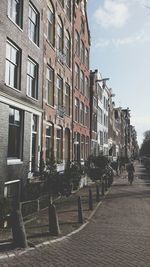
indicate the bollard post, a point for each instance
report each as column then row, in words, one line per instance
column 80, row 211
column 97, row 193
column 53, row 220
column 90, row 199
column 18, row 229
column 103, row 191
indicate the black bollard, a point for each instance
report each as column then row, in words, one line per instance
column 53, row 221
column 103, row 191
column 90, row 199
column 80, row 211
column 97, row 193
column 18, row 229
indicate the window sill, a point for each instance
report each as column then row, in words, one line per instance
column 19, row 28
column 37, row 45
column 14, row 161
column 15, row 89
column 36, row 100
column 52, row 46
column 50, row 106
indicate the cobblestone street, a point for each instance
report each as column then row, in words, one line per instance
column 117, row 236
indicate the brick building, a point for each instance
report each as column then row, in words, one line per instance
column 21, row 57
column 57, row 81
column 81, row 88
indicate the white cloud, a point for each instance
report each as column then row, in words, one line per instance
column 114, row 13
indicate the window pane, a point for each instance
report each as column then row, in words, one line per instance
column 14, row 138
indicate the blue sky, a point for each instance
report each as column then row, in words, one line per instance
column 120, row 49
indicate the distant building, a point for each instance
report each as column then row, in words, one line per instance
column 99, row 114
column 81, row 82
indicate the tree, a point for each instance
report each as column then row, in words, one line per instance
column 145, row 147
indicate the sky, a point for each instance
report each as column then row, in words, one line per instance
column 120, row 50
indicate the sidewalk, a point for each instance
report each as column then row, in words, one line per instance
column 117, row 235
column 67, row 211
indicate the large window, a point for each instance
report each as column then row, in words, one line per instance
column 50, row 24
column 59, row 91
column 49, row 141
column 33, row 24
column 87, row 147
column 68, row 49
column 87, row 58
column 50, row 86
column 15, row 138
column 94, row 122
column 12, row 71
column 82, row 146
column 82, row 52
column 77, row 76
column 15, row 11
column 76, row 110
column 32, row 79
column 60, row 35
column 86, row 116
column 86, row 87
column 82, row 82
column 77, row 43
column 100, row 115
column 82, row 113
column 59, row 143
column 34, row 141
column 68, row 9
column 67, row 99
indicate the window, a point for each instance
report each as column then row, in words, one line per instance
column 87, row 147
column 76, row 146
column 60, row 35
column 77, row 43
column 82, row 52
column 49, row 141
column 82, row 82
column 86, row 116
column 50, row 24
column 77, row 76
column 76, row 110
column 100, row 115
column 15, row 11
column 82, row 113
column 95, row 102
column 68, row 49
column 101, row 138
column 104, row 102
column 82, row 146
column 87, row 58
column 59, row 144
column 82, row 26
column 67, row 99
column 32, row 79
column 34, row 141
column 68, row 9
column 59, row 91
column 15, row 137
column 86, row 87
column 50, row 86
column 33, row 24
column 94, row 122
column 12, row 71
column 99, row 91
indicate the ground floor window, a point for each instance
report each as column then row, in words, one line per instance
column 34, row 141
column 59, row 144
column 87, row 148
column 15, row 137
column 49, row 141
column 82, row 146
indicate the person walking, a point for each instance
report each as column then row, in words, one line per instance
column 130, row 170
